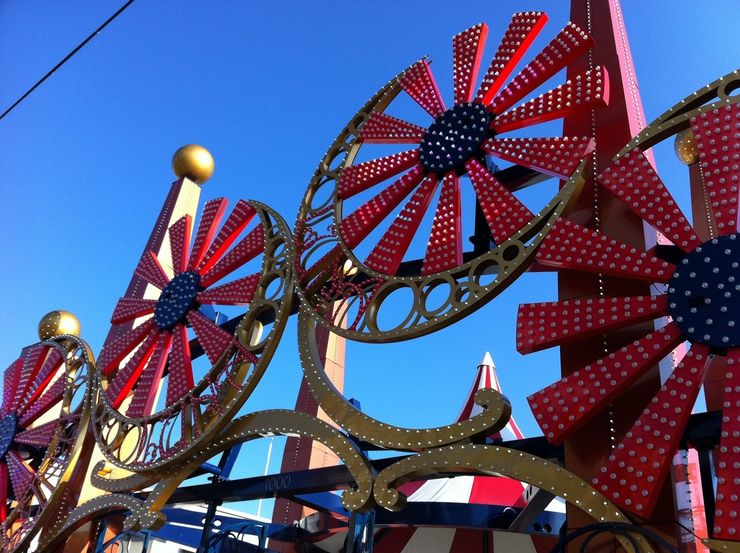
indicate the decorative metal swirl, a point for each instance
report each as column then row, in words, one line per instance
column 188, row 424
column 495, row 415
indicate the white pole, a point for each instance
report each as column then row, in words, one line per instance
column 267, row 469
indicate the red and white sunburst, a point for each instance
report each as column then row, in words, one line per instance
column 701, row 305
column 459, row 138
column 161, row 344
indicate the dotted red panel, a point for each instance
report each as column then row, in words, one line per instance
column 125, row 379
column 148, row 384
column 544, row 325
column 236, row 222
column 355, row 179
column 114, row 352
column 563, row 407
column 717, row 134
column 46, row 401
column 467, row 51
column 444, row 250
column 419, row 83
column 128, row 309
column 583, row 91
column 357, row 225
column 44, row 376
column 570, row 43
column 21, row 475
column 388, row 253
column 39, row 436
column 10, row 382
column 557, row 156
column 180, row 377
column 381, row 128
column 504, row 213
column 571, row 246
column 211, row 337
column 238, row 292
column 33, row 357
column 244, row 251
column 635, row 470
column 518, row 37
column 726, row 518
column 180, row 242
column 634, row 181
column 213, row 212
column 150, row 270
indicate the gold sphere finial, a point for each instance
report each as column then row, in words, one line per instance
column 686, row 148
column 58, row 322
column 194, row 162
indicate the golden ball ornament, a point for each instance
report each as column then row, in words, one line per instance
column 58, row 322
column 193, row 162
column 685, row 146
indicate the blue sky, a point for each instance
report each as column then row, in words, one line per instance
column 266, row 87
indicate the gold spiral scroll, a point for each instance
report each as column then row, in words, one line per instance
column 499, row 461
column 494, row 417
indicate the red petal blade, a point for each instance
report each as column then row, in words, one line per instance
column 726, row 526
column 10, row 384
column 53, row 395
column 569, row 44
column 128, row 309
column 558, row 156
column 33, row 358
column 180, row 242
column 125, row 379
column 355, row 179
column 544, row 325
column 636, row 469
column 247, row 249
column 211, row 337
column 237, row 221
column 504, row 213
column 147, row 388
column 521, row 32
column 585, row 90
column 467, row 51
column 180, row 378
column 21, row 475
column 388, row 253
column 444, row 250
column 40, row 436
column 213, row 212
column 150, row 270
column 114, row 352
column 419, row 83
column 238, row 292
column 48, row 371
column 571, row 246
column 381, row 128
column 355, row 227
column 4, row 489
column 717, row 134
column 565, row 406
column 634, row 181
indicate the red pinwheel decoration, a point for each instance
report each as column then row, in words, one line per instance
column 701, row 307
column 459, row 138
column 139, row 361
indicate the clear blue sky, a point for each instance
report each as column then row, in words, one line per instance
column 266, row 86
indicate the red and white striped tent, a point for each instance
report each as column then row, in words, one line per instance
column 486, row 490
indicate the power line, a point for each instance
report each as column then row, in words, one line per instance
column 67, row 57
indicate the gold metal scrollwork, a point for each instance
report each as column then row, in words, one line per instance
column 495, row 415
